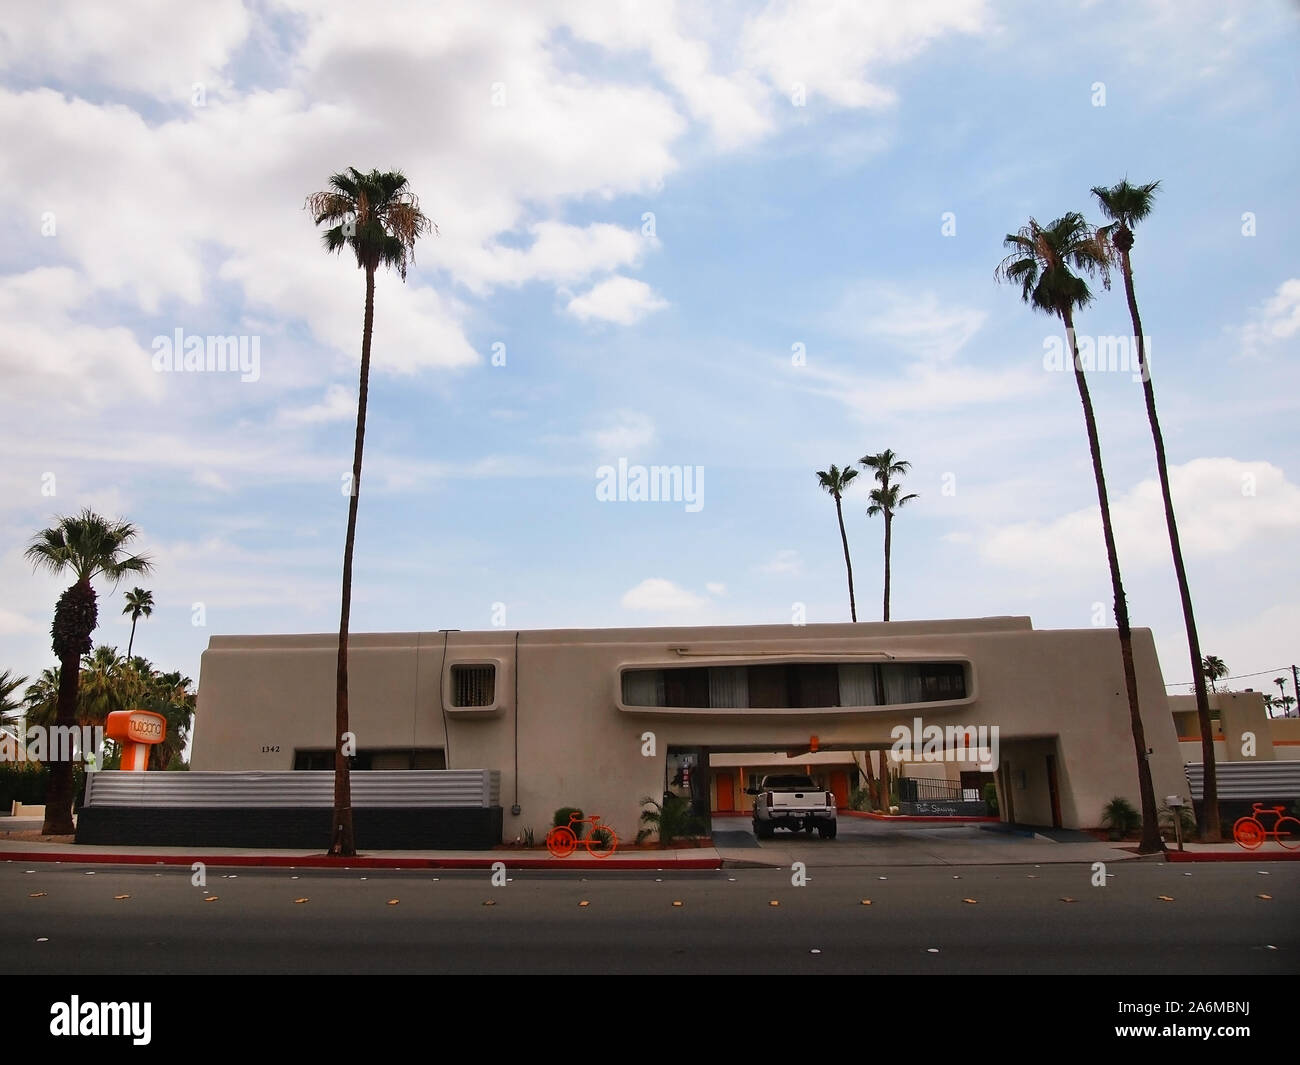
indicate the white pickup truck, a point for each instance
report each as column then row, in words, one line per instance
column 793, row 802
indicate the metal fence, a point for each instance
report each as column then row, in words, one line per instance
column 1249, row 781
column 922, row 789
column 295, row 788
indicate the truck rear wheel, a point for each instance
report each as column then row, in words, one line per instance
column 827, row 831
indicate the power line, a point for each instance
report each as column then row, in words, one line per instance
column 1238, row 676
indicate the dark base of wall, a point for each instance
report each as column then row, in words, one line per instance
column 1232, row 809
column 403, row 828
column 943, row 808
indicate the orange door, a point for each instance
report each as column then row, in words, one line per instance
column 726, row 784
column 840, row 788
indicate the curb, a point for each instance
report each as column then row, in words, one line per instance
column 872, row 816
column 324, row 861
column 1229, row 856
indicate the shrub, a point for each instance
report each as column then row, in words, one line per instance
column 1120, row 816
column 562, row 820
column 669, row 820
column 604, row 835
column 991, row 797
column 860, row 799
column 22, row 781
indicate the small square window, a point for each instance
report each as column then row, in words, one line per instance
column 473, row 685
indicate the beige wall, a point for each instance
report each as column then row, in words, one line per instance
column 1241, row 716
column 1056, row 690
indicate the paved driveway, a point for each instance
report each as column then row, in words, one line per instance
column 862, row 841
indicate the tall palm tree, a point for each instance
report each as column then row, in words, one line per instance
column 886, row 500
column 379, row 218
column 1126, row 205
column 835, row 481
column 1213, row 668
column 1039, row 261
column 139, row 603
column 84, row 546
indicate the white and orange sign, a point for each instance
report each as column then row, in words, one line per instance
column 136, row 731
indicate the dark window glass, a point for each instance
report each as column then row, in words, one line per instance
column 686, row 687
column 769, row 686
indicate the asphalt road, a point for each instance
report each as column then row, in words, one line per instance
column 917, row 922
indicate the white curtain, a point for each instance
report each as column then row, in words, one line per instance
column 902, row 684
column 728, row 686
column 643, row 687
column 857, row 684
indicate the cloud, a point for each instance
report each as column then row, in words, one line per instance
column 785, row 562
column 657, row 594
column 628, row 432
column 715, row 588
column 12, row 623
column 1277, row 320
column 49, row 357
column 835, row 48
column 920, row 324
column 338, row 404
column 621, row 300
column 1222, row 504
column 151, row 46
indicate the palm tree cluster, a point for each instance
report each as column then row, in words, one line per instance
column 83, row 546
column 885, row 499
column 1051, row 264
column 109, row 682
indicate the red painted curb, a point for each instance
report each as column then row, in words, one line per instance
column 323, row 861
column 1229, row 856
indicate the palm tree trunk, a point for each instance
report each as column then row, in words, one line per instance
column 131, row 642
column 343, row 843
column 848, row 565
column 1211, row 829
column 58, row 789
column 1151, row 841
column 888, row 528
column 870, row 774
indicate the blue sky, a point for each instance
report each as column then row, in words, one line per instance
column 651, row 210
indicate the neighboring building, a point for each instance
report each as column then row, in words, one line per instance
column 602, row 718
column 1243, row 731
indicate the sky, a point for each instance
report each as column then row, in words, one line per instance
column 744, row 240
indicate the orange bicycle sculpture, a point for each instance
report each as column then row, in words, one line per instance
column 1249, row 832
column 601, row 841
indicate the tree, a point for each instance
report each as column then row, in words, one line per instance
column 1039, row 261
column 379, row 219
column 84, row 546
column 1127, row 205
column 10, row 708
column 139, row 603
column 886, row 500
column 1213, row 669
column 835, row 481
column 1283, row 700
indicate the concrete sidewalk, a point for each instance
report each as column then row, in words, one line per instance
column 28, row 851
